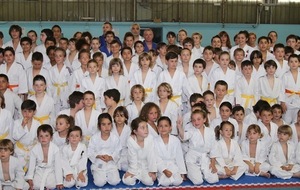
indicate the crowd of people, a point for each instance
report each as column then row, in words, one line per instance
column 163, row 111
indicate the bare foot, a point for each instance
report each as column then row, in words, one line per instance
column 267, row 175
column 296, row 175
column 223, row 176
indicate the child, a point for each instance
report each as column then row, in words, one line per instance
column 99, row 58
column 15, row 32
column 45, row 169
column 6, row 120
column 168, row 107
column 45, row 103
column 225, row 113
column 139, row 49
column 161, row 58
column 74, row 159
column 198, row 81
column 94, row 83
column 104, row 153
column 111, row 99
column 86, row 118
column 282, row 65
column 226, row 74
column 117, row 80
column 198, row 49
column 258, row 65
column 195, row 98
column 269, row 86
column 277, row 115
column 230, row 159
column 145, row 77
column 221, row 91
column 71, row 60
column 128, row 40
column 171, row 167
column 186, row 60
column 232, row 65
column 60, row 76
column 225, row 41
column 150, row 113
column 291, row 84
column 137, row 96
column 156, row 68
column 238, row 57
column 255, row 153
column 171, row 38
column 209, row 100
column 208, row 55
column 243, row 37
column 122, row 130
column 296, row 130
column 24, row 57
column 182, row 34
column 95, row 45
column 46, row 32
column 288, row 51
column 76, row 104
column 51, row 58
column 129, row 67
column 79, row 74
column 115, row 47
column 263, row 46
column 24, row 133
column 246, row 87
column 200, row 159
column 12, row 174
column 268, row 128
column 238, row 113
column 63, row 124
column 282, row 156
column 141, row 154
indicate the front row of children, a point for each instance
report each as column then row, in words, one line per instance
column 149, row 158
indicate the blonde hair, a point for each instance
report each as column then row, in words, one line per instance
column 115, row 61
column 197, row 34
column 286, row 129
column 168, row 87
column 7, row 144
column 140, row 87
column 255, row 128
column 147, row 56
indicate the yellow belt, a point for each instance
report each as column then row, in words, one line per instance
column 22, row 147
column 58, row 86
column 121, row 100
column 248, row 98
column 269, row 100
column 230, row 91
column 148, row 90
column 3, row 136
column 292, row 92
column 31, row 92
column 87, row 137
column 174, row 98
column 42, row 118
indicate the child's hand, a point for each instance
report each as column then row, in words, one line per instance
column 59, row 186
column 283, row 105
column 213, row 168
column 24, row 122
column 30, row 182
column 69, row 177
column 106, row 158
column 179, row 122
column 227, row 171
column 81, row 177
column 251, row 168
column 289, row 167
column 128, row 174
column 284, row 168
column 234, row 171
column 168, row 173
column 152, row 175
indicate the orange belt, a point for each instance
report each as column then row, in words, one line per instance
column 291, row 92
column 11, row 86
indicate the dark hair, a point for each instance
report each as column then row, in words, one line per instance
column 202, row 107
column 246, row 63
column 171, row 33
column 37, row 56
column 103, row 116
column 277, row 46
column 208, row 92
column 270, row 63
column 126, row 48
column 8, row 48
column 171, row 55
column 294, row 56
column 75, row 98
column 137, row 42
column 288, row 49
column 238, row 108
column 265, row 108
column 45, row 128
column 194, row 97
column 245, row 32
column 98, row 54
column 17, row 28
column 48, row 32
column 291, row 36
column 164, row 118
column 84, row 51
column 26, row 39
column 113, row 93
column 86, row 34
column 146, row 108
column 39, row 78
column 68, row 119
column 89, row 92
column 160, row 45
column 71, row 129
column 51, row 39
column 32, row 31
column 188, row 40
column 135, row 124
column 3, row 100
column 109, row 33
column 127, row 34
column 4, row 76
column 224, row 33
column 1, row 35
column 200, row 61
column 259, row 104
column 221, row 83
column 56, row 26
column 226, row 104
column 7, row 143
column 121, row 109
column 49, row 49
column 28, row 105
column 277, row 106
column 239, row 50
column 203, row 113
column 263, row 38
column 209, row 48
column 220, row 127
column 256, row 53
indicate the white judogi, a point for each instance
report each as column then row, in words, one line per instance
column 269, row 137
column 261, row 154
column 208, row 75
column 171, row 158
column 278, row 159
column 152, row 131
column 40, row 48
column 122, row 87
column 195, row 86
column 133, row 68
column 6, row 126
column 217, row 121
column 104, row 172
column 247, row 49
column 97, row 87
column 230, row 158
column 292, row 96
column 88, row 127
column 25, row 139
column 149, row 83
column 45, row 174
column 45, row 73
column 13, row 103
column 16, row 175
column 281, row 70
column 109, row 58
column 123, row 137
column 198, row 155
column 74, row 162
column 159, row 62
column 11, row 44
column 16, row 75
column 45, row 112
column 76, row 78
column 58, row 141
column 256, row 74
column 295, row 134
column 73, row 65
column 141, row 161
column 20, row 58
column 133, row 111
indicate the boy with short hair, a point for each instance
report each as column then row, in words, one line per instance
column 12, row 174
column 291, row 40
column 208, row 55
column 263, row 46
column 76, row 104
column 99, row 58
column 129, row 67
column 238, row 113
column 24, row 133
column 282, row 65
column 161, row 58
column 45, row 170
column 238, row 57
column 111, row 100
column 24, row 57
column 287, row 52
column 115, row 47
column 33, row 36
column 221, row 93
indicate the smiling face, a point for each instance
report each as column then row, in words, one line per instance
column 164, row 127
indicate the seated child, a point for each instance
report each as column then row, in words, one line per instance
column 277, row 111
column 63, row 124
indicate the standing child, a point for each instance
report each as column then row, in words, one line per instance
column 99, row 58
column 44, row 102
column 198, row 49
column 6, row 120
column 209, row 100
column 208, row 56
column 72, row 57
column 24, row 133
column 230, row 160
column 156, row 68
column 12, row 174
column 243, row 37
column 161, row 58
column 282, row 65
column 221, row 93
column 282, row 156
column 117, row 80
column 255, row 153
column 277, row 111
column 137, row 95
column 150, row 113
column 198, row 81
column 141, row 155
column 291, row 84
column 186, row 61
column 122, row 130
column 104, row 153
column 63, row 124
column 200, row 159
column 171, row 166
column 168, row 107
column 139, row 49
column 145, row 77
column 258, row 65
column 74, row 158
column 45, row 169
column 94, row 83
column 129, row 67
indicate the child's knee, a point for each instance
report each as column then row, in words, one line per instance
column 147, row 181
column 114, row 180
column 81, row 183
column 129, row 180
column 99, row 182
column 69, row 184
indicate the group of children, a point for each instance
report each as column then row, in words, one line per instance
column 164, row 115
